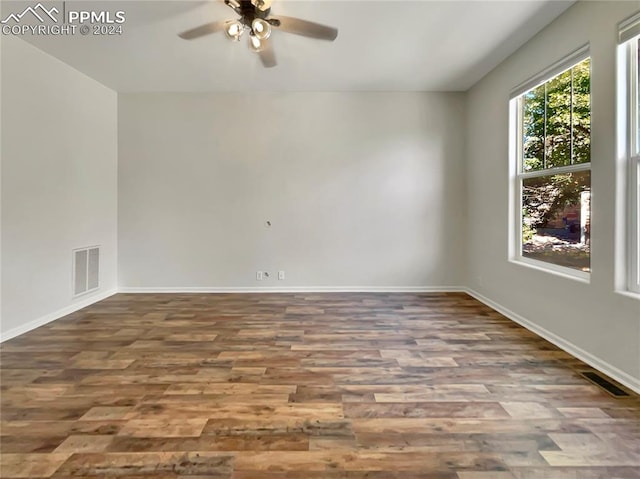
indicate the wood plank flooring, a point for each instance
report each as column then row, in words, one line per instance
column 309, row 386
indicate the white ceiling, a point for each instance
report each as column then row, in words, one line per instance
column 392, row 45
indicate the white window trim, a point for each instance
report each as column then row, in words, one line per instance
column 634, row 226
column 517, row 175
column 551, row 71
column 629, row 28
column 628, row 127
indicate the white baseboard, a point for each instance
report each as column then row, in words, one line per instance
column 47, row 318
column 297, row 289
column 622, row 377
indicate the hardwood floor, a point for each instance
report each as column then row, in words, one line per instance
column 309, row 386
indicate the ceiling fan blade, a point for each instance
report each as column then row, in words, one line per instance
column 202, row 30
column 306, row 28
column 267, row 55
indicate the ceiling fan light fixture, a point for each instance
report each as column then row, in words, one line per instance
column 255, row 44
column 234, row 30
column 261, row 28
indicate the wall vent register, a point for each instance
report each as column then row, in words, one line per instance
column 86, row 270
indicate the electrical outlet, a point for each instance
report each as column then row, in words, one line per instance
column 280, row 274
column 258, row 275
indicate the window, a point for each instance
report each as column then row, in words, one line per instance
column 553, row 173
column 629, row 56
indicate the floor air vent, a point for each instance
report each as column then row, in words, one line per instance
column 86, row 270
column 605, row 384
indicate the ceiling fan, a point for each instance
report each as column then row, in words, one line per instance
column 255, row 18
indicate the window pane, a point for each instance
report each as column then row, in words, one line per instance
column 556, row 121
column 533, row 129
column 556, row 219
column 582, row 112
column 558, row 135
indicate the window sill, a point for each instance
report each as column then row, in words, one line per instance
column 550, row 268
column 628, row 294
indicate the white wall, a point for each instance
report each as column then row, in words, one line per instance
column 362, row 189
column 59, row 183
column 602, row 324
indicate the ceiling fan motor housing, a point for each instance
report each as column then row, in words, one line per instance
column 249, row 12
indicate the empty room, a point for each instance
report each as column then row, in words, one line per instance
column 318, row 239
